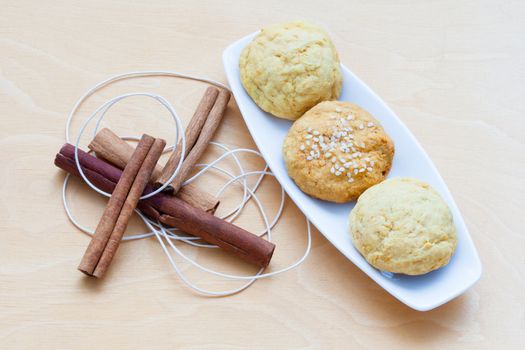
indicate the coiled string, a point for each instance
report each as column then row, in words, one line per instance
column 167, row 236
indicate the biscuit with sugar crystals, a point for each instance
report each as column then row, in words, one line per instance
column 403, row 226
column 337, row 150
column 289, row 68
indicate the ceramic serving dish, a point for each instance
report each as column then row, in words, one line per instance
column 423, row 292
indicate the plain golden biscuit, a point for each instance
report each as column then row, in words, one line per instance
column 337, row 150
column 289, row 68
column 403, row 226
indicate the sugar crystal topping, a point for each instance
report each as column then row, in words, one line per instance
column 319, row 145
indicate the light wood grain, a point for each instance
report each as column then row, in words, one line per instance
column 452, row 70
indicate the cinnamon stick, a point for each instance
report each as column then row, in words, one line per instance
column 207, row 132
column 191, row 134
column 198, row 198
column 242, row 243
column 129, row 206
column 109, row 146
column 113, row 208
column 219, row 232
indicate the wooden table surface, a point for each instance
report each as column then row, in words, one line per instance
column 452, row 70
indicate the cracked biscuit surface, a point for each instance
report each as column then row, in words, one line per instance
column 337, row 150
column 403, row 225
column 289, row 68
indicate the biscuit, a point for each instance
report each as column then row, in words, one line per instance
column 403, row 226
column 289, row 68
column 337, row 150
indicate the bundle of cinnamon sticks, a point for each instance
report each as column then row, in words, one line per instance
column 188, row 208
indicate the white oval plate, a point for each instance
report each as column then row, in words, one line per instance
column 423, row 292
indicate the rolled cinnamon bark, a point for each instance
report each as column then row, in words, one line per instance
column 198, row 198
column 113, row 208
column 191, row 134
column 207, row 132
column 247, row 246
column 139, row 184
column 109, row 146
column 218, row 232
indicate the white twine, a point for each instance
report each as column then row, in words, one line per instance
column 168, row 235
